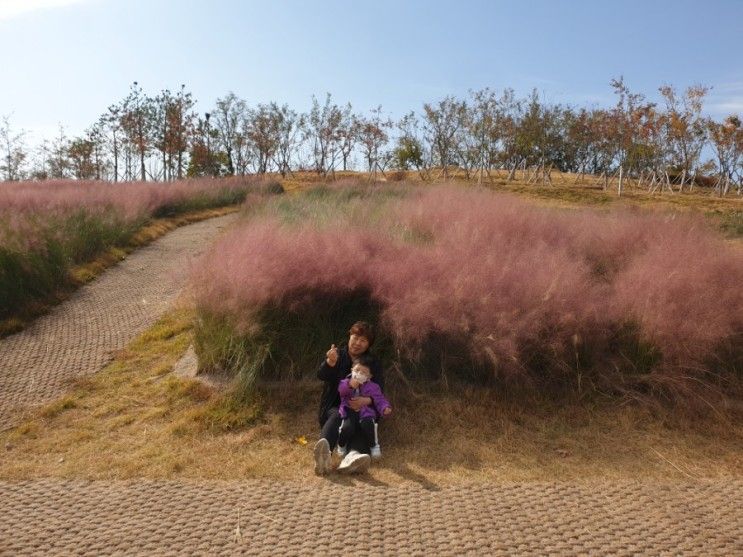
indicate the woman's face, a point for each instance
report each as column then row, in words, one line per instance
column 357, row 345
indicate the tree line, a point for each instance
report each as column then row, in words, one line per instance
column 670, row 144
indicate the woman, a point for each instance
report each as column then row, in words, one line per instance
column 336, row 366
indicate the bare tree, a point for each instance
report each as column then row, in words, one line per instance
column 58, row 161
column 483, row 128
column 174, row 122
column 137, row 118
column 323, row 130
column 624, row 129
column 727, row 141
column 686, row 127
column 372, row 134
column 229, row 115
column 442, row 121
column 206, row 157
column 348, row 132
column 81, row 160
column 13, row 150
column 263, row 133
column 289, row 129
column 411, row 150
column 110, row 122
column 96, row 135
column 181, row 118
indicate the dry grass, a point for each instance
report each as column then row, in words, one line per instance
column 726, row 213
column 136, row 419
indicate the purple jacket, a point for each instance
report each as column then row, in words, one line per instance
column 370, row 389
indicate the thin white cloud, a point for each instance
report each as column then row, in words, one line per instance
column 13, row 8
column 732, row 86
column 726, row 98
column 728, row 106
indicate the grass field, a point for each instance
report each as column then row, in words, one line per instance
column 137, row 419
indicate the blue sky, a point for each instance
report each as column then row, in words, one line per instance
column 65, row 61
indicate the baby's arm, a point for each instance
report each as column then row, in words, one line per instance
column 381, row 403
column 345, row 389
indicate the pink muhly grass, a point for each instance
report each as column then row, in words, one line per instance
column 47, row 227
column 685, row 293
column 260, row 265
column 527, row 291
column 129, row 198
column 29, row 209
column 497, row 273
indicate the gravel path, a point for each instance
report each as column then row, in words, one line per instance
column 53, row 517
column 81, row 335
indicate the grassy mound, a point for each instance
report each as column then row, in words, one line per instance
column 466, row 285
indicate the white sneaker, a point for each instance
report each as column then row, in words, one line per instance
column 354, row 462
column 342, row 451
column 376, row 452
column 322, row 457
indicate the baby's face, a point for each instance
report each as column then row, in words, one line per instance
column 361, row 373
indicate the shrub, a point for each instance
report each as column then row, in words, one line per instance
column 470, row 285
column 46, row 228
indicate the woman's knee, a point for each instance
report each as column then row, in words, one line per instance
column 333, row 415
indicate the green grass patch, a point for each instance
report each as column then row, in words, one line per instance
column 281, row 344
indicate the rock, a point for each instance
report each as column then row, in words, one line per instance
column 188, row 365
column 188, row 368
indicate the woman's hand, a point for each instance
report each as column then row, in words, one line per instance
column 331, row 357
column 387, row 411
column 358, row 402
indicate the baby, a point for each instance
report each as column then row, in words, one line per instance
column 359, row 384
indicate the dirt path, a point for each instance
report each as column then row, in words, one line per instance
column 79, row 336
column 55, row 517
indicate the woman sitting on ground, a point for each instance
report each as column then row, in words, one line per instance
column 336, row 367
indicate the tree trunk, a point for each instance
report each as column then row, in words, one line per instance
column 512, row 173
column 116, row 160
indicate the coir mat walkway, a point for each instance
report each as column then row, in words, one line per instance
column 53, row 517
